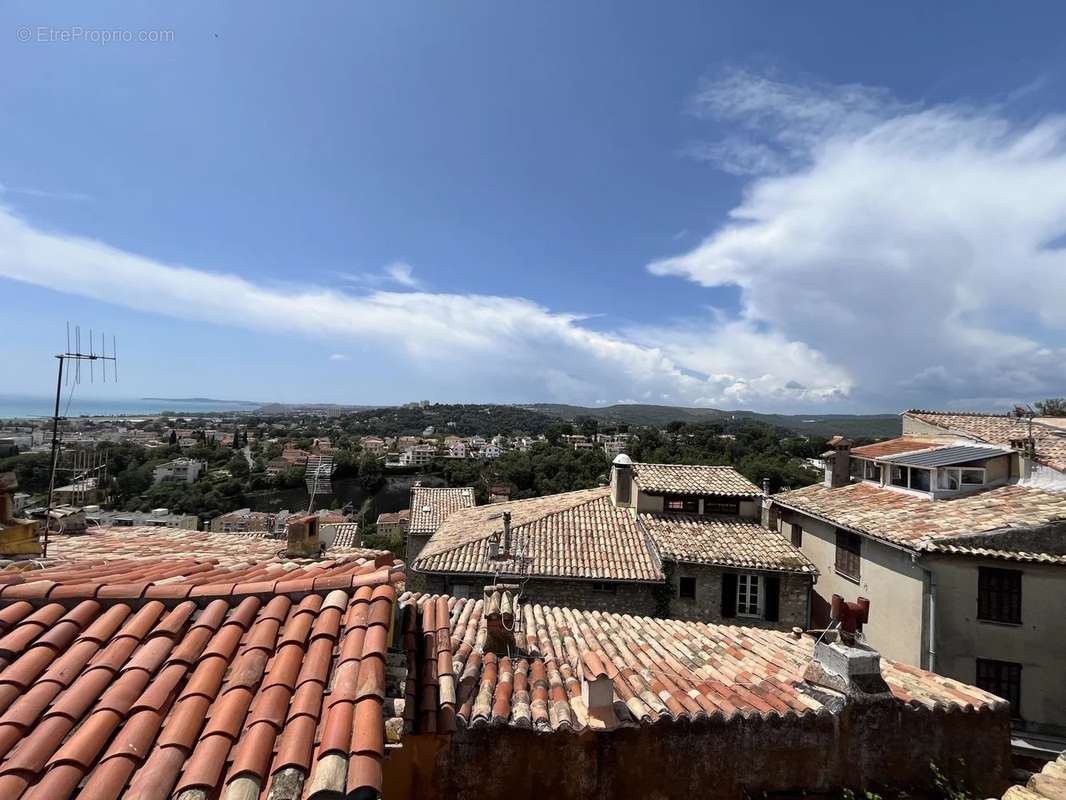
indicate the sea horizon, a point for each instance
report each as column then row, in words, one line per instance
column 41, row 406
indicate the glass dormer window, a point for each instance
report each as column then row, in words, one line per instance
column 952, row 479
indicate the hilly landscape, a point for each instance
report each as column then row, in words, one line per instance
column 851, row 425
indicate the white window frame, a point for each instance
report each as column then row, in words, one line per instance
column 934, row 478
column 958, row 477
column 867, row 465
column 744, row 580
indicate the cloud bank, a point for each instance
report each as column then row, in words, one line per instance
column 507, row 346
column 920, row 249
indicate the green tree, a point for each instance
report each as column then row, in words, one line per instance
column 173, row 437
column 1052, row 407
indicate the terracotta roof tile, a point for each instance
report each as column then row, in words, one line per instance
column 693, row 479
column 574, row 534
column 661, row 669
column 431, row 506
column 129, row 697
column 1000, row 429
column 726, row 541
column 915, row 521
column 892, row 447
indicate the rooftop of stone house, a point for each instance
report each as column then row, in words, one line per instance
column 574, row 534
column 661, row 670
column 1001, row 429
column 692, row 479
column 724, row 541
column 891, row 447
column 430, row 506
column 919, row 522
column 157, row 676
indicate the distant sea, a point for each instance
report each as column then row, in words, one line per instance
column 24, row 406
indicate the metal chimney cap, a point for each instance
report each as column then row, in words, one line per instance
column 622, row 460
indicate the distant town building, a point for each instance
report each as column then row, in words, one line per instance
column 185, row 470
column 242, row 521
column 156, row 518
column 394, row 524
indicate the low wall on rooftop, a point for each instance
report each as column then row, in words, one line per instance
column 863, row 748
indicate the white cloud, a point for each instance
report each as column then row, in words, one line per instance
column 338, row 357
column 484, row 345
column 901, row 246
column 402, row 274
column 399, row 273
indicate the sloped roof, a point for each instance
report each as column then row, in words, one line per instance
column 110, row 691
column 662, row 669
column 430, row 506
column 689, row 479
column 891, row 447
column 947, row 455
column 152, row 541
column 908, row 520
column 726, row 541
column 1001, row 429
column 575, row 534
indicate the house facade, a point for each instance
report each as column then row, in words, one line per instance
column 182, row 470
column 958, row 539
column 661, row 540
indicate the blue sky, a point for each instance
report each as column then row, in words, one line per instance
column 760, row 205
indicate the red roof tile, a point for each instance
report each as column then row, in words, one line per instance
column 122, row 696
column 661, row 669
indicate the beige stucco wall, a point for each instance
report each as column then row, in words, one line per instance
column 1038, row 644
column 648, row 503
column 915, row 427
column 888, row 578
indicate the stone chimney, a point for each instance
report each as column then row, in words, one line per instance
column 838, row 462
column 597, row 674
column 843, row 661
column 622, row 481
column 302, row 534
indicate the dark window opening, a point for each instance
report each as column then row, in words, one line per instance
column 727, row 507
column 999, row 595
column 603, row 587
column 848, row 554
column 682, row 504
column 797, row 535
column 1004, row 679
column 686, row 588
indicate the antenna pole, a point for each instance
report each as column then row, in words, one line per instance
column 55, row 457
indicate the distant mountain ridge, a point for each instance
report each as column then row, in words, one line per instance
column 851, row 425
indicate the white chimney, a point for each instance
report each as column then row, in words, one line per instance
column 622, row 481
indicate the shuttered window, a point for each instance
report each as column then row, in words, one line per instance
column 849, row 554
column 1004, row 679
column 999, row 595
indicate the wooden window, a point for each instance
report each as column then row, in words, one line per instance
column 999, row 595
column 797, row 535
column 681, row 504
column 603, row 587
column 686, row 588
column 849, row 554
column 1002, row 678
column 749, row 590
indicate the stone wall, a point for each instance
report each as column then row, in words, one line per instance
column 879, row 748
column 707, row 605
column 641, row 599
column 627, row 598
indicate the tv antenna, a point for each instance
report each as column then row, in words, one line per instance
column 75, row 355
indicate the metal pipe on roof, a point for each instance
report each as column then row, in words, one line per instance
column 931, row 645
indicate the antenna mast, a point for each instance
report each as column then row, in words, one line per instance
column 77, row 356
